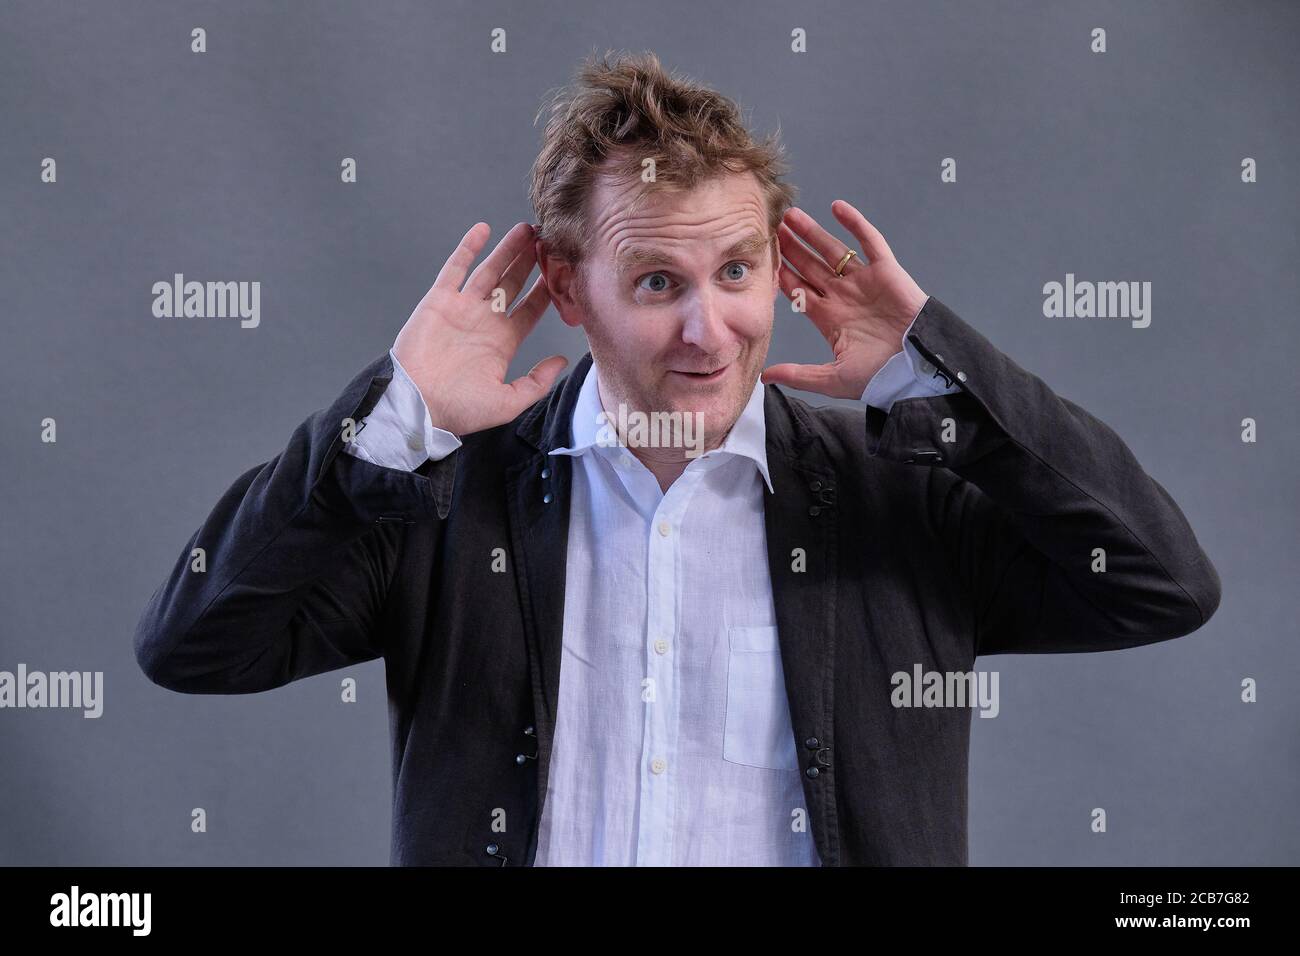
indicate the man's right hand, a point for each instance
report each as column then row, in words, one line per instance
column 458, row 350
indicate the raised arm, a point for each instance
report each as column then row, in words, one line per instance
column 1059, row 537
column 288, row 575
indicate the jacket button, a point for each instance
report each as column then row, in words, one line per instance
column 814, row 511
column 928, row 454
column 816, row 486
column 546, row 472
column 492, row 849
column 813, row 772
column 521, row 759
column 546, row 498
column 811, row 743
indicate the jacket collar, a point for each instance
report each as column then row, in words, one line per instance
column 782, row 428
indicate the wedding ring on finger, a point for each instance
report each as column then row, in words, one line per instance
column 839, row 269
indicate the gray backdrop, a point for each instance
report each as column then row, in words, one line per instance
column 225, row 166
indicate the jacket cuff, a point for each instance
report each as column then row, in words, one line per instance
column 370, row 490
column 398, row 432
column 906, row 374
column 957, row 427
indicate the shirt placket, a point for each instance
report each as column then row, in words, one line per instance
column 659, row 772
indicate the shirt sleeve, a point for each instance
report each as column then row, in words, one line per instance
column 907, row 374
column 398, row 432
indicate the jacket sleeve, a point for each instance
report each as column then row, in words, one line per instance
column 297, row 557
column 1030, row 494
column 398, row 432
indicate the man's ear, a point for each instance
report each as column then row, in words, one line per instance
column 559, row 276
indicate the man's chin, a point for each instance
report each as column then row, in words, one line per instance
column 709, row 417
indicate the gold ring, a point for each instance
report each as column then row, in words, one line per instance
column 839, row 269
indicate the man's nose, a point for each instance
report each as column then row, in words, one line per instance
column 702, row 324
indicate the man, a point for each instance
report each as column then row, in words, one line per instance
column 626, row 652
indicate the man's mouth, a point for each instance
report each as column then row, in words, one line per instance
column 713, row 376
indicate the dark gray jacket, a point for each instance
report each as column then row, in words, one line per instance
column 918, row 550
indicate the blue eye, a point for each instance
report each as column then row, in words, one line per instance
column 661, row 280
column 652, row 275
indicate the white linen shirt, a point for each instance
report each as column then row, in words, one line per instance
column 673, row 744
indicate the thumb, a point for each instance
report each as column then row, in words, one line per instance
column 533, row 386
column 807, row 378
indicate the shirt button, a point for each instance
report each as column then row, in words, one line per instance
column 661, row 646
column 664, row 528
column 927, row 368
column 626, row 461
column 415, row 442
column 659, row 765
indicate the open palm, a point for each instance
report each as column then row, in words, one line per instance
column 862, row 314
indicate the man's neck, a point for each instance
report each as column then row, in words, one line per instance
column 666, row 464
column 665, row 472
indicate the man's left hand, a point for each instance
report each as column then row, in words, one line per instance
column 861, row 314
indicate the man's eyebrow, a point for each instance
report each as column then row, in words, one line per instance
column 634, row 257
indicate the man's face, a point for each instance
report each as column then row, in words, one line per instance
column 683, row 283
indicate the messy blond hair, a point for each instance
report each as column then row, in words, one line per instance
column 618, row 113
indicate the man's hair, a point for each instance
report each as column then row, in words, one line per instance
column 617, row 114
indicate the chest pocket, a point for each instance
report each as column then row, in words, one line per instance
column 757, row 730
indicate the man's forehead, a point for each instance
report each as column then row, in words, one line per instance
column 638, row 227
column 639, row 253
column 624, row 200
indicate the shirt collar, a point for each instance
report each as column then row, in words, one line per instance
column 747, row 438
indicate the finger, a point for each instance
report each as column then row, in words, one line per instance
column 462, row 257
column 791, row 283
column 810, row 231
column 518, row 271
column 873, row 243
column 810, row 265
column 524, row 316
column 809, row 378
column 489, row 272
column 533, row 386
